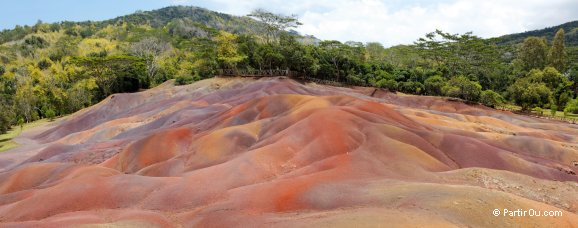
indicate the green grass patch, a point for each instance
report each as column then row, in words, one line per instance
column 6, row 142
column 558, row 114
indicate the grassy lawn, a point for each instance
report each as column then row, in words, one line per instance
column 6, row 142
column 558, row 113
column 545, row 112
column 511, row 107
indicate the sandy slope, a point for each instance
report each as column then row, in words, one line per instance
column 274, row 152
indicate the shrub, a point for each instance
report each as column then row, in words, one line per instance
column 44, row 64
column 184, row 79
column 411, row 87
column 388, row 84
column 50, row 113
column 552, row 77
column 491, row 99
column 539, row 110
column 6, row 116
column 527, row 94
column 553, row 109
column 37, row 42
column 571, row 107
column 563, row 99
column 461, row 87
column 434, row 84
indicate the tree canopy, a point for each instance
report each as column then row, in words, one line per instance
column 557, row 57
column 274, row 23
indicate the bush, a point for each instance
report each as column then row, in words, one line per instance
column 37, row 42
column 352, row 79
column 491, row 99
column 44, row 64
column 411, row 87
column 49, row 113
column 571, row 107
column 388, row 84
column 6, row 116
column 528, row 94
column 563, row 99
column 184, row 79
column 451, row 91
column 462, row 87
column 553, row 109
column 434, row 84
column 552, row 77
column 539, row 110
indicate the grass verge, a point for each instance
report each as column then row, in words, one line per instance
column 6, row 140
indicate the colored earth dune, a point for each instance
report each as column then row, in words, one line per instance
column 275, row 152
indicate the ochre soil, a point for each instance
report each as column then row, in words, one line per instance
column 278, row 153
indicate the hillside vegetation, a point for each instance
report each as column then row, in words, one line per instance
column 571, row 35
column 48, row 70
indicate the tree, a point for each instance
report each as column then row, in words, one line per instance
column 553, row 78
column 6, row 116
column 533, row 53
column 491, row 99
column 411, row 87
column 434, row 84
column 557, row 57
column 375, row 52
column 560, row 86
column 571, row 107
column 337, row 59
column 66, row 46
column 573, row 77
column 462, row 87
column 150, row 49
column 274, row 23
column 462, row 54
column 186, row 28
column 26, row 101
column 114, row 74
column 388, row 84
column 227, row 50
column 81, row 94
column 528, row 94
column 36, row 42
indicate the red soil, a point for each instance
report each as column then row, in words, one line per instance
column 274, row 152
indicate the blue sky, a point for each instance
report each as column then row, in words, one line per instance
column 387, row 21
column 21, row 12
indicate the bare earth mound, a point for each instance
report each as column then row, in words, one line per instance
column 274, row 152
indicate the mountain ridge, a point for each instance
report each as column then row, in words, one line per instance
column 243, row 24
column 571, row 29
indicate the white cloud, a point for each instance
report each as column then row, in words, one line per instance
column 402, row 22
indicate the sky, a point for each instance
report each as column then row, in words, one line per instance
column 389, row 22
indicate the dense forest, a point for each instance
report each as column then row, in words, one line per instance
column 53, row 69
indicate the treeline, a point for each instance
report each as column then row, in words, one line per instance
column 49, row 70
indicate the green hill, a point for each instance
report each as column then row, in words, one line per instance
column 187, row 21
column 571, row 29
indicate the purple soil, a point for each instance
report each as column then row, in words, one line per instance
column 275, row 152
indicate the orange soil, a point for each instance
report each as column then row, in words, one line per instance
column 274, row 152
